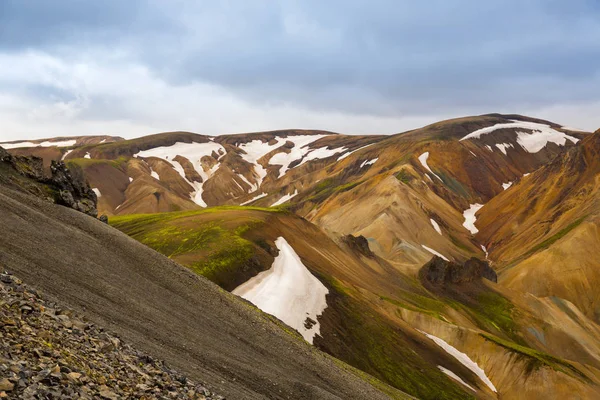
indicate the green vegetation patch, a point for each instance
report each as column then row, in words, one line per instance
column 537, row 359
column 404, row 177
column 214, row 248
column 371, row 343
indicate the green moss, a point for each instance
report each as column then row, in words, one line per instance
column 536, row 359
column 208, row 247
column 372, row 344
column 404, row 177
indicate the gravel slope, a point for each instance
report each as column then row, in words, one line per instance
column 163, row 309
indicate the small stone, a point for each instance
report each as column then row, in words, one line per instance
column 6, row 385
column 74, row 376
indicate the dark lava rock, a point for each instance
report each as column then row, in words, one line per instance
column 440, row 272
column 360, row 244
column 65, row 186
column 104, row 218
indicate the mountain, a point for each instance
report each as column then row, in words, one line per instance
column 411, row 257
column 163, row 309
column 542, row 233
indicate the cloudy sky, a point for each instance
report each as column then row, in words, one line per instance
column 129, row 68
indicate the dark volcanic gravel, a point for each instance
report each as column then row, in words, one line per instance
column 47, row 352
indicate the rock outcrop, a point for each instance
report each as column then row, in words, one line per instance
column 358, row 243
column 65, row 186
column 440, row 272
column 47, row 351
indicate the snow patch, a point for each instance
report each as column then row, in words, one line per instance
column 154, row 174
column 194, row 153
column 432, row 251
column 489, row 148
column 256, row 149
column 288, row 291
column 66, row 154
column 65, row 143
column 470, row 217
column 455, row 377
column 299, row 150
column 285, row 198
column 130, row 179
column 506, row 185
column 540, row 136
column 485, row 251
column 473, row 153
column 503, row 147
column 97, row 191
column 321, row 152
column 369, row 162
column 423, row 159
column 435, row 225
column 353, row 151
column 87, row 155
column 463, row 359
column 102, row 141
column 527, row 174
column 260, row 196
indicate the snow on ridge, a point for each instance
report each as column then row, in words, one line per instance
column 432, row 251
column 260, row 196
column 436, row 226
column 470, row 217
column 288, row 291
column 340, row 158
column 299, row 150
column 193, row 152
column 455, row 377
column 423, row 159
column 284, row 199
column 321, row 152
column 154, row 174
column 369, row 162
column 47, row 143
column 97, row 191
column 463, row 358
column 506, row 185
column 540, row 136
column 254, row 150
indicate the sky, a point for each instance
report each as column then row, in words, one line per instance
column 136, row 67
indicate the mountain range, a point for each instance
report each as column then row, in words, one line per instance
column 452, row 261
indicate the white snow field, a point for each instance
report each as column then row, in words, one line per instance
column 256, row 149
column 97, row 191
column 260, row 196
column 432, row 251
column 288, row 291
column 470, row 218
column 65, row 143
column 463, row 358
column 423, row 159
column 194, row 153
column 436, row 226
column 455, row 377
column 285, row 198
column 299, row 150
column 369, row 162
column 340, row 158
column 536, row 140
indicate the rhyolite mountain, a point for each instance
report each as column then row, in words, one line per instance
column 454, row 261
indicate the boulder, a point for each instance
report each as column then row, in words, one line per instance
column 440, row 272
